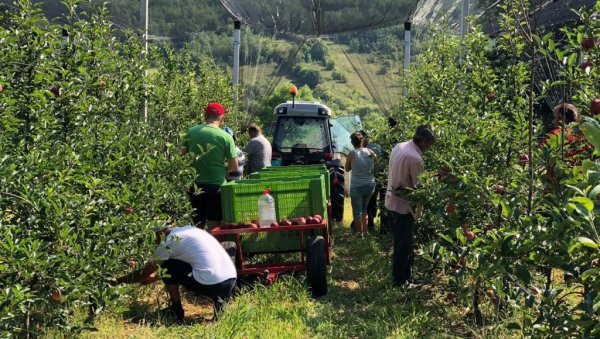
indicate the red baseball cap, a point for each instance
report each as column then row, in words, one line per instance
column 214, row 108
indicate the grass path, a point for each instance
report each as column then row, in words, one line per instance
column 360, row 304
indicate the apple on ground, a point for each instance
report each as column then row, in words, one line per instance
column 595, row 106
column 588, row 43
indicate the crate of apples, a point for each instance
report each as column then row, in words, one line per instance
column 310, row 220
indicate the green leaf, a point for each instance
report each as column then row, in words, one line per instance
column 589, row 273
column 585, row 202
column 445, row 237
column 572, row 59
column 513, row 326
column 582, row 241
column 523, row 273
column 591, row 130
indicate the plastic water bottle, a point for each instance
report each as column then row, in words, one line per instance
column 266, row 209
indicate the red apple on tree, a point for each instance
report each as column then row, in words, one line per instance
column 490, row 95
column 462, row 261
column 129, row 210
column 470, row 235
column 56, row 295
column 524, row 159
column 588, row 43
column 451, row 208
column 595, row 106
column 55, row 90
column 584, row 65
column 132, row 263
column 499, row 189
column 1, row 88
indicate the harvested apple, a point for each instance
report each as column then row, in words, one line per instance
column 274, row 224
column 285, row 222
column 301, row 221
column 318, row 218
column 255, row 222
column 253, row 225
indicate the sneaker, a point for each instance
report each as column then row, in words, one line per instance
column 173, row 313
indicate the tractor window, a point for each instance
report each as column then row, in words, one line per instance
column 300, row 132
column 341, row 129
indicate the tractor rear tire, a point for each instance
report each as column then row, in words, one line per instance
column 316, row 266
column 337, row 194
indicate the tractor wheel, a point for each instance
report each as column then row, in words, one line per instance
column 337, row 194
column 316, row 266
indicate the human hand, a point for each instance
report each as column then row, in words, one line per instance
column 152, row 278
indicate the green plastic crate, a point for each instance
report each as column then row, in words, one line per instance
column 278, row 175
column 295, row 171
column 293, row 198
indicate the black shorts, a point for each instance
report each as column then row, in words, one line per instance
column 180, row 273
column 207, row 203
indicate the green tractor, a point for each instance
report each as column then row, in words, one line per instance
column 305, row 134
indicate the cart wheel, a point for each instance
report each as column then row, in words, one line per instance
column 231, row 249
column 316, row 266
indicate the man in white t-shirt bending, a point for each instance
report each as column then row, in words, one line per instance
column 192, row 258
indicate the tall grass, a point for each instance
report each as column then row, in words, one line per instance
column 360, row 304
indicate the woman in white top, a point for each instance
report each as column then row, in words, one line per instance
column 361, row 163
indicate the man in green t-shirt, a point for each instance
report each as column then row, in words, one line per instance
column 212, row 148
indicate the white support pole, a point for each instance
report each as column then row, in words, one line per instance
column 407, row 44
column 236, row 52
column 144, row 23
column 464, row 13
column 236, row 56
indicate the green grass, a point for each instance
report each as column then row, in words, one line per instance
column 360, row 303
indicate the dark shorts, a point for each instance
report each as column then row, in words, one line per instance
column 180, row 273
column 207, row 203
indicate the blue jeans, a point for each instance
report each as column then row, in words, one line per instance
column 403, row 229
column 360, row 196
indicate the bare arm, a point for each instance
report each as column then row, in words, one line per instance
column 348, row 165
column 232, row 165
column 144, row 275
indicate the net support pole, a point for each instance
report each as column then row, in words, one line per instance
column 236, row 53
column 464, row 13
column 406, row 53
column 144, row 24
